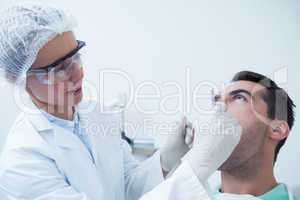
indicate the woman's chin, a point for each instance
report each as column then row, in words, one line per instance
column 78, row 98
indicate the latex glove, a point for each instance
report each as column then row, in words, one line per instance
column 178, row 144
column 212, row 148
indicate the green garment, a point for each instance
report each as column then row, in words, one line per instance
column 278, row 193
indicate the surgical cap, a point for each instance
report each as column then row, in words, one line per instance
column 24, row 30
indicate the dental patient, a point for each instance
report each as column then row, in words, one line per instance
column 266, row 114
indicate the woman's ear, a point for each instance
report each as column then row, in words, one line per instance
column 279, row 129
column 27, row 85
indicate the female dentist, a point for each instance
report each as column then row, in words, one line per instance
column 64, row 148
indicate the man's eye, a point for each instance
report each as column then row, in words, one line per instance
column 239, row 97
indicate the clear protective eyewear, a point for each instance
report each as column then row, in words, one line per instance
column 61, row 69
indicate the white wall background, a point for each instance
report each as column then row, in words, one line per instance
column 156, row 40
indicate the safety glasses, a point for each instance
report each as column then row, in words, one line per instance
column 61, row 69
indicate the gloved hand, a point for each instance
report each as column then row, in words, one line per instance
column 178, row 144
column 211, row 149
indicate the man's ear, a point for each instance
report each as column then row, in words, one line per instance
column 279, row 130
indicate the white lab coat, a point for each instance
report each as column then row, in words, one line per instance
column 182, row 185
column 44, row 161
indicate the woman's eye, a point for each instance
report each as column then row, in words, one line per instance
column 61, row 67
column 77, row 55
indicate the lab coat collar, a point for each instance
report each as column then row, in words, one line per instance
column 39, row 121
column 35, row 116
column 62, row 137
column 88, row 118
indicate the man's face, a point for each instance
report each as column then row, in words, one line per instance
column 244, row 101
column 59, row 93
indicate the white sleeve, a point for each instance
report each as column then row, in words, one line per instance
column 140, row 177
column 183, row 184
column 27, row 175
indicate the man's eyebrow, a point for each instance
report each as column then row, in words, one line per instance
column 234, row 92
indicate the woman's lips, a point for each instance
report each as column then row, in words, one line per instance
column 78, row 91
column 76, row 86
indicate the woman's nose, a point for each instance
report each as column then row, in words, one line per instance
column 77, row 73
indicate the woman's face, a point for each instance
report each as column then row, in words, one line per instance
column 65, row 92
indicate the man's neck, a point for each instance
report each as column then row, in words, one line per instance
column 254, row 179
